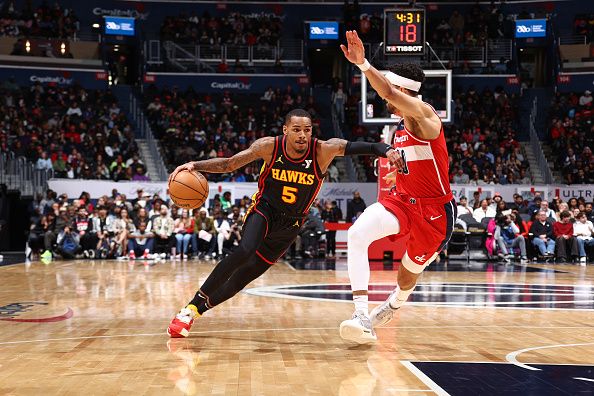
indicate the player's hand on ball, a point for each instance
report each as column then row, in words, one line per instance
column 355, row 52
column 187, row 166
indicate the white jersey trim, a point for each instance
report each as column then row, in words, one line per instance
column 437, row 171
column 417, row 152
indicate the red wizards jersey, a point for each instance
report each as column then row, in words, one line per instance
column 426, row 174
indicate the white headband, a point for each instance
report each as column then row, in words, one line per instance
column 404, row 82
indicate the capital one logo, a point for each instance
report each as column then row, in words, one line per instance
column 523, row 29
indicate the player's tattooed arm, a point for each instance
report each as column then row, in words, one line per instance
column 339, row 147
column 260, row 149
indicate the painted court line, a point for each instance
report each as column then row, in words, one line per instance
column 263, row 292
column 162, row 333
column 424, row 378
column 512, row 356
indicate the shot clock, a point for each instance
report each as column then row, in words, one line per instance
column 404, row 31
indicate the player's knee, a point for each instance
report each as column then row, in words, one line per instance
column 357, row 234
column 244, row 250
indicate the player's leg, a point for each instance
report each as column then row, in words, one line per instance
column 427, row 239
column 269, row 251
column 254, row 232
column 375, row 223
column 240, row 279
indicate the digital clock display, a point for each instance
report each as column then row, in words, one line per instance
column 404, row 31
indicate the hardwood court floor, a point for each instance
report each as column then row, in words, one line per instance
column 92, row 327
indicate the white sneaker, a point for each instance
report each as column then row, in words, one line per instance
column 524, row 260
column 382, row 314
column 358, row 329
column 583, row 261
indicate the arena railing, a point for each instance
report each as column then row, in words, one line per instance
column 18, row 173
column 146, row 133
column 288, row 52
column 536, row 146
column 568, row 40
column 492, row 50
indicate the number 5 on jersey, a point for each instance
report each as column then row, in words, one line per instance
column 289, row 194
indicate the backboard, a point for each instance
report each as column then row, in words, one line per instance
column 436, row 90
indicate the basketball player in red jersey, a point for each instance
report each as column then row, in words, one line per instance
column 420, row 203
column 295, row 164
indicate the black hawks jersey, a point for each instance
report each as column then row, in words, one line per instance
column 290, row 185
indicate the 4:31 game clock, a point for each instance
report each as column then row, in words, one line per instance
column 404, row 31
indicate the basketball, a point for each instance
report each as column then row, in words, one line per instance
column 188, row 189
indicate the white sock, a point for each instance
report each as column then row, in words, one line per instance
column 362, row 303
column 399, row 298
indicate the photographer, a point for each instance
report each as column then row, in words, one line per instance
column 312, row 230
column 232, row 242
column 506, row 235
column 68, row 243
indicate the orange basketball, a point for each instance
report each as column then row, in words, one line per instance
column 189, row 190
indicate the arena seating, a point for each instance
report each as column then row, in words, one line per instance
column 194, row 126
column 78, row 133
column 572, row 136
column 233, row 29
column 481, row 140
column 45, row 21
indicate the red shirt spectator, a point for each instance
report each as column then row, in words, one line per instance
column 560, row 229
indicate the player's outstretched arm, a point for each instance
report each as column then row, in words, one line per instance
column 355, row 53
column 335, row 147
column 260, row 149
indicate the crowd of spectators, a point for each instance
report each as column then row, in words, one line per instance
column 20, row 18
column 151, row 228
column 193, row 126
column 572, row 136
column 461, row 28
column 77, row 133
column 470, row 29
column 481, row 139
column 145, row 227
column 233, row 29
column 584, row 25
column 559, row 230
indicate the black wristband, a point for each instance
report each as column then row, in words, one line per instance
column 363, row 148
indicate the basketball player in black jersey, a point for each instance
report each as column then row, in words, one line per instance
column 292, row 175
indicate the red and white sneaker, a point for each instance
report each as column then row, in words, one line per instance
column 145, row 254
column 181, row 324
column 132, row 255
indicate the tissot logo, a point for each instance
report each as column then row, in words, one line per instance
column 409, row 48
